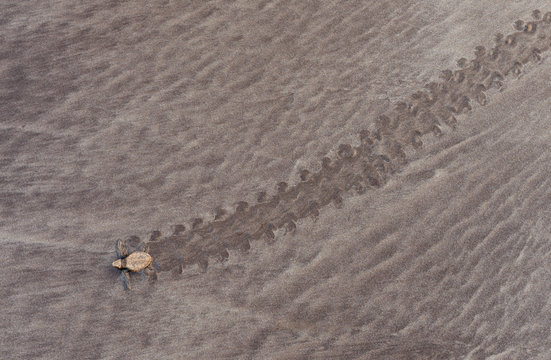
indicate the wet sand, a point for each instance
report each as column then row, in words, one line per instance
column 313, row 181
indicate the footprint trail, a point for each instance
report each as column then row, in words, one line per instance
column 434, row 109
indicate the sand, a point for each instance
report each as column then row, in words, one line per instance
column 298, row 201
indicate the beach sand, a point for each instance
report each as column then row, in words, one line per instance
column 328, row 214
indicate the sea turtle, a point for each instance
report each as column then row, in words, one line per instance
column 136, row 261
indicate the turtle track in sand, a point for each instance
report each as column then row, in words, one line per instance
column 431, row 110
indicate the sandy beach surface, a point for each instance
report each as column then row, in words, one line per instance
column 314, row 179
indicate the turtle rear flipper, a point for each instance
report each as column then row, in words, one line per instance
column 125, row 275
column 143, row 247
column 151, row 272
column 156, row 265
column 133, row 242
column 122, row 249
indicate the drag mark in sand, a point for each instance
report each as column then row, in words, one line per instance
column 432, row 109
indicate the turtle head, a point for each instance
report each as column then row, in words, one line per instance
column 117, row 263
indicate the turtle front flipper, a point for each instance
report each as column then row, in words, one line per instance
column 121, row 249
column 126, row 279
